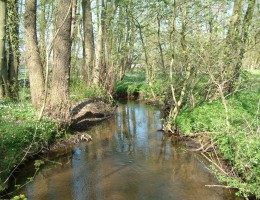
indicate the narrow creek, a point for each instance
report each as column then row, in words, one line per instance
column 128, row 159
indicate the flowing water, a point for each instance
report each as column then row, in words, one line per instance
column 128, row 159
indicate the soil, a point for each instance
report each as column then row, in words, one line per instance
column 83, row 116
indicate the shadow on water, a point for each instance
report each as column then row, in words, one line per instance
column 128, row 159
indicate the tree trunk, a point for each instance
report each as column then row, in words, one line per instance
column 158, row 16
column 33, row 60
column 89, row 48
column 42, row 32
column 245, row 29
column 13, row 52
column 59, row 94
column 237, row 39
column 99, row 49
column 178, row 102
column 110, row 77
column 2, row 44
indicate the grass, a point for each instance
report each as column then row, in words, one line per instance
column 19, row 128
column 131, row 84
column 134, row 84
column 80, row 91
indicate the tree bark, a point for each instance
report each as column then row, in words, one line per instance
column 89, row 48
column 59, row 93
column 245, row 29
column 99, row 48
column 33, row 60
column 73, row 18
column 237, row 39
column 2, row 44
column 13, row 52
column 42, row 32
column 158, row 16
column 109, row 71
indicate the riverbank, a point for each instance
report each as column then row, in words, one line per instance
column 238, row 144
column 206, row 124
column 128, row 159
column 22, row 135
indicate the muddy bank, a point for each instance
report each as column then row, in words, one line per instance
column 84, row 115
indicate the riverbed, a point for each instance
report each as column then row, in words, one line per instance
column 128, row 159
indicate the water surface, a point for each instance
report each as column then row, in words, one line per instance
column 128, row 159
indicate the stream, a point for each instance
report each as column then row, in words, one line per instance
column 128, row 159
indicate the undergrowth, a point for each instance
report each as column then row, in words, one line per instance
column 240, row 143
column 134, row 84
column 79, row 90
column 19, row 129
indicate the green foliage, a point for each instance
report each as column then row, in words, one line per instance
column 212, row 116
column 242, row 151
column 19, row 128
column 130, row 84
column 159, row 88
column 241, row 145
column 79, row 90
column 135, row 84
column 19, row 197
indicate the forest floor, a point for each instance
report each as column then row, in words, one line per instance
column 205, row 125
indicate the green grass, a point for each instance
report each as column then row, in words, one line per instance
column 19, row 128
column 80, row 91
column 131, row 84
column 134, row 84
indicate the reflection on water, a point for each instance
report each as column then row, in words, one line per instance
column 129, row 159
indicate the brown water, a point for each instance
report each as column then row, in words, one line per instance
column 128, row 159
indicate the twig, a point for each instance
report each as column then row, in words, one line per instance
column 214, row 163
column 222, row 186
